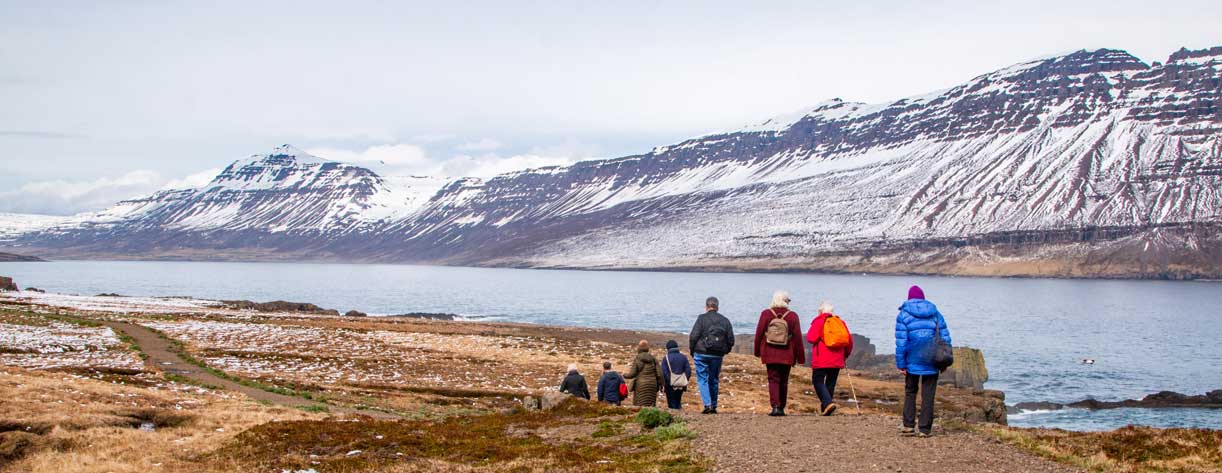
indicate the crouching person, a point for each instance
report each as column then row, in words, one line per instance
column 574, row 384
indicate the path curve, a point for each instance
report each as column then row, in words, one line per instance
column 871, row 442
column 160, row 357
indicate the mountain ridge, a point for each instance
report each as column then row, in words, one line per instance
column 1061, row 163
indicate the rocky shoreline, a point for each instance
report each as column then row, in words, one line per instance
column 16, row 258
column 1159, row 400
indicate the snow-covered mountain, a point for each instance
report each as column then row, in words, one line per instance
column 1090, row 163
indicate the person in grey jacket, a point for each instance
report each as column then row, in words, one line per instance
column 711, row 338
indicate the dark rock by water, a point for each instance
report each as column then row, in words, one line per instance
column 7, row 284
column 280, row 306
column 355, row 313
column 34, row 289
column 1212, row 399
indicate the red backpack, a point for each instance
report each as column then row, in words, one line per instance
column 623, row 390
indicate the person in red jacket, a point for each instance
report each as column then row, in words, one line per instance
column 825, row 363
column 779, row 357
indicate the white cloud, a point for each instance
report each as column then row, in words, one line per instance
column 571, row 147
column 488, row 165
column 193, row 181
column 64, row 197
column 60, row 197
column 398, row 156
column 412, row 159
column 483, row 144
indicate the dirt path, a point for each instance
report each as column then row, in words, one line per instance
column 161, row 358
column 755, row 442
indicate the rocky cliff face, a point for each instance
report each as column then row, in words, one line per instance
column 1092, row 163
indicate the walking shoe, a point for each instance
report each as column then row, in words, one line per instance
column 831, row 407
column 713, row 410
column 907, row 431
column 772, row 413
column 924, row 435
column 707, row 410
column 780, row 412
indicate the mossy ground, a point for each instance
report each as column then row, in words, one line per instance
column 490, row 442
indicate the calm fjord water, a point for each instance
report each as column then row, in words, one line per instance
column 1145, row 336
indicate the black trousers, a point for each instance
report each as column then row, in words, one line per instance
column 824, row 380
column 674, row 398
column 928, row 385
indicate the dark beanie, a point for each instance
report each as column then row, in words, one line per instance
column 915, row 292
column 672, row 344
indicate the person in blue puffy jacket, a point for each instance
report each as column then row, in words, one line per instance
column 915, row 328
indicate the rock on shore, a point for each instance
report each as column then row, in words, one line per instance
column 7, row 284
column 279, row 306
column 1212, row 399
column 1161, row 399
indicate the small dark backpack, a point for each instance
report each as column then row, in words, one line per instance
column 943, row 353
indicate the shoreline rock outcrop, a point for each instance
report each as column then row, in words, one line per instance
column 279, row 306
column 1159, row 400
column 7, row 284
column 12, row 258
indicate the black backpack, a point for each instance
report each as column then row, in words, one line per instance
column 943, row 353
column 716, row 339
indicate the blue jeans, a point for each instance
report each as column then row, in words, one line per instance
column 708, row 376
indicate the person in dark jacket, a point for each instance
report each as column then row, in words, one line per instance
column 779, row 359
column 674, row 363
column 916, row 327
column 825, row 362
column 575, row 384
column 711, row 338
column 608, row 385
column 646, row 377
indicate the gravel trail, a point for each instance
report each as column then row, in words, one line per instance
column 809, row 443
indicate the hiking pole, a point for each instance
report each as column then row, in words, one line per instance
column 853, row 390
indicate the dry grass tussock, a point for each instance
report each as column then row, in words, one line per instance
column 57, row 422
column 1129, row 449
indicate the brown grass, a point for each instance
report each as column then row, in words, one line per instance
column 1128, row 449
column 54, row 422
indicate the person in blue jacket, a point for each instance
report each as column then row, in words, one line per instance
column 608, row 385
column 674, row 363
column 915, row 328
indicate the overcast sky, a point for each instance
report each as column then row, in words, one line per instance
column 107, row 100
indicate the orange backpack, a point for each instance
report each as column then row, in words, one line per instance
column 835, row 333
